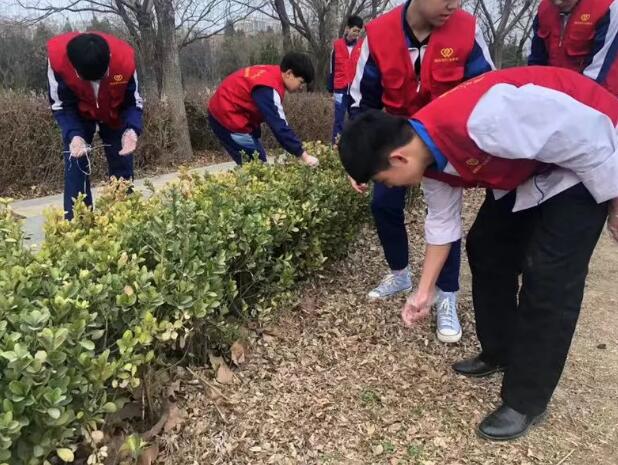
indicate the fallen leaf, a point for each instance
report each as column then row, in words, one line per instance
column 172, row 389
column 238, row 352
column 149, row 456
column 308, row 304
column 224, row 374
column 175, row 417
column 215, row 361
column 97, row 437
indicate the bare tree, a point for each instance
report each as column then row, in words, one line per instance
column 500, row 18
column 318, row 22
column 158, row 28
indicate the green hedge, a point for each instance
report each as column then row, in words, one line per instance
column 142, row 280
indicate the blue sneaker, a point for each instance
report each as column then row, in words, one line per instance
column 449, row 329
column 392, row 284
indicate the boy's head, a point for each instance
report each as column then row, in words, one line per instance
column 565, row 6
column 353, row 28
column 297, row 70
column 435, row 12
column 89, row 55
column 382, row 147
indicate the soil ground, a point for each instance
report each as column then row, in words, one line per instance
column 338, row 380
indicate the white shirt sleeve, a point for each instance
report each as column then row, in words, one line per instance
column 538, row 123
column 444, row 204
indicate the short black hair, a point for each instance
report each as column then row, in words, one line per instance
column 355, row 21
column 89, row 55
column 367, row 140
column 300, row 64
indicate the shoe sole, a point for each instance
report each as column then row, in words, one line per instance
column 372, row 298
column 449, row 339
column 534, row 422
column 480, row 375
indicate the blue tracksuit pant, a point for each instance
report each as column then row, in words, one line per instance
column 77, row 170
column 387, row 206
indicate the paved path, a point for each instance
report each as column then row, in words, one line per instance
column 32, row 209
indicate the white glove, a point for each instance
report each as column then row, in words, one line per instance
column 78, row 147
column 309, row 160
column 129, row 142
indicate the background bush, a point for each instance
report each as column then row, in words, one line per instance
column 140, row 280
column 31, row 148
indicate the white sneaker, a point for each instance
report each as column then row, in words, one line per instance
column 392, row 284
column 449, row 329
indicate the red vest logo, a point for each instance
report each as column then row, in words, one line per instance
column 447, row 54
column 118, row 79
column 584, row 19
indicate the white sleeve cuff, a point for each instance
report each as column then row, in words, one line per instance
column 602, row 181
column 444, row 204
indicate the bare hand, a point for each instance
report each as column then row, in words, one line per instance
column 417, row 307
column 309, row 160
column 360, row 188
column 129, row 142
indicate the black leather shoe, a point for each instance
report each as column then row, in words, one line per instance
column 505, row 424
column 476, row 368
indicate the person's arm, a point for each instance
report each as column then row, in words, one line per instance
column 603, row 52
column 538, row 52
column 442, row 227
column 543, row 124
column 133, row 106
column 330, row 83
column 268, row 101
column 479, row 61
column 64, row 105
column 366, row 88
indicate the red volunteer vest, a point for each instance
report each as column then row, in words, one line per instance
column 107, row 107
column 342, row 73
column 232, row 105
column 569, row 46
column 443, row 64
column 446, row 120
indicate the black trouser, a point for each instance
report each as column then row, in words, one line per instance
column 550, row 247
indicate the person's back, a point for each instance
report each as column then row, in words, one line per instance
column 543, row 141
column 255, row 94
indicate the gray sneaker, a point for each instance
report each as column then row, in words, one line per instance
column 449, row 329
column 392, row 284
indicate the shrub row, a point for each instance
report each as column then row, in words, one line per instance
column 139, row 281
column 31, row 149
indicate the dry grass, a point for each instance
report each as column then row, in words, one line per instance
column 342, row 382
column 31, row 148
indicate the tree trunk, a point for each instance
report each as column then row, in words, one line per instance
column 285, row 25
column 172, row 93
column 147, row 57
column 498, row 51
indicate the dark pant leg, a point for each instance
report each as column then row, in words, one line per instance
column 448, row 280
column 387, row 206
column 565, row 231
column 235, row 149
column 118, row 166
column 341, row 107
column 77, row 173
column 495, row 247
